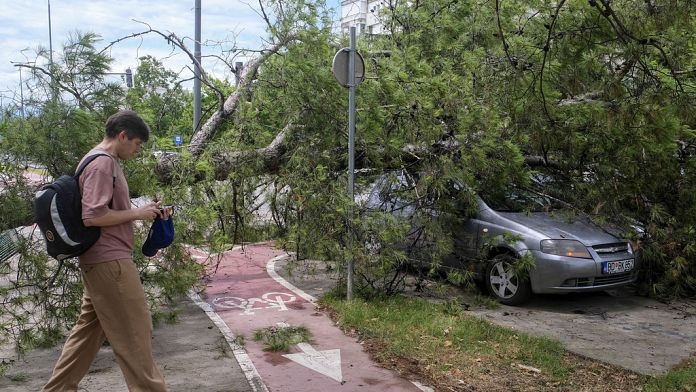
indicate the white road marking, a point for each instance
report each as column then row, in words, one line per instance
column 270, row 268
column 250, row 372
column 326, row 362
column 273, row 300
column 422, row 387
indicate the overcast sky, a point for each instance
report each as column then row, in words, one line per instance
column 24, row 27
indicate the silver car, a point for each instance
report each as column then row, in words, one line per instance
column 570, row 253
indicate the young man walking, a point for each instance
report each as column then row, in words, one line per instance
column 114, row 306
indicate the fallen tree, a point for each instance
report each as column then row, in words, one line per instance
column 481, row 94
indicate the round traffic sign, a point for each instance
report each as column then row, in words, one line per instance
column 340, row 67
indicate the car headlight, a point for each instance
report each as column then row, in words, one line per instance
column 569, row 248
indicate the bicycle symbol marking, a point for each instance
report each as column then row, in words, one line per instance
column 272, row 300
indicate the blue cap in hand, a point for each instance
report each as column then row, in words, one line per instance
column 160, row 236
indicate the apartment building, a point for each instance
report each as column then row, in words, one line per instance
column 363, row 14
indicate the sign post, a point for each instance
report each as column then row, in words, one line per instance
column 349, row 69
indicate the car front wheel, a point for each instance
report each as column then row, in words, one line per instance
column 504, row 284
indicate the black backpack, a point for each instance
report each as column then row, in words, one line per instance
column 58, row 212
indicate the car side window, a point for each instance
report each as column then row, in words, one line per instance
column 389, row 194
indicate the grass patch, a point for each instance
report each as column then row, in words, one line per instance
column 415, row 326
column 239, row 340
column 444, row 344
column 222, row 347
column 5, row 365
column 681, row 378
column 18, row 378
column 281, row 338
column 166, row 315
column 484, row 301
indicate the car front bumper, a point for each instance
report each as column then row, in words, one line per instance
column 561, row 274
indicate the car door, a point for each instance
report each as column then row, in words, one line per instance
column 466, row 239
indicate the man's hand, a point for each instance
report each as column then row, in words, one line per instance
column 114, row 217
column 165, row 212
column 149, row 211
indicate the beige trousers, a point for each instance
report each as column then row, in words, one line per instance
column 113, row 308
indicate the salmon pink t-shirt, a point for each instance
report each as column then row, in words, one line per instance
column 98, row 190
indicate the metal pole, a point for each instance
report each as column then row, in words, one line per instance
column 50, row 52
column 351, row 156
column 197, row 70
column 21, row 95
column 50, row 38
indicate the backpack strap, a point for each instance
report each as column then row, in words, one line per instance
column 89, row 160
column 92, row 157
column 86, row 162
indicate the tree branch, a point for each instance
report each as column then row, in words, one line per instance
column 269, row 157
column 587, row 98
column 622, row 32
column 547, row 48
column 205, row 134
column 502, row 35
column 76, row 94
column 179, row 43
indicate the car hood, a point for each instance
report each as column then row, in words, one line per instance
column 558, row 225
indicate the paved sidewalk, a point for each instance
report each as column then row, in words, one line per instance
column 192, row 354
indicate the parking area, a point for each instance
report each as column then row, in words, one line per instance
column 617, row 327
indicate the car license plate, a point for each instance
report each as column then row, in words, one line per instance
column 616, row 267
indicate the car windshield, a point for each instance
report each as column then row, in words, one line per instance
column 514, row 199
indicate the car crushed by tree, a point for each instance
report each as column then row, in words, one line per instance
column 515, row 241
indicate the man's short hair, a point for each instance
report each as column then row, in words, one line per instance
column 129, row 121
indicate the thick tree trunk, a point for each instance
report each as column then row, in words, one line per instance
column 269, row 159
column 206, row 133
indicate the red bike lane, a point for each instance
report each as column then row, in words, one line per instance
column 247, row 298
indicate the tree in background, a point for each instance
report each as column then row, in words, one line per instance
column 158, row 96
